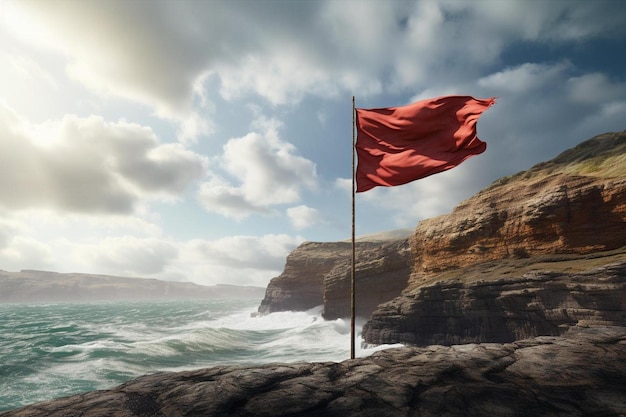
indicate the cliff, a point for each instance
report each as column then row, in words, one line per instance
column 516, row 379
column 510, row 308
column 529, row 255
column 319, row 273
column 45, row 286
column 573, row 204
column 462, row 277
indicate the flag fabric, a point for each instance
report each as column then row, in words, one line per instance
column 397, row 145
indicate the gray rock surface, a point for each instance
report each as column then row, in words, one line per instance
column 582, row 373
column 537, row 303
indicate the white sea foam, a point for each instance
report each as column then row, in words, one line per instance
column 58, row 350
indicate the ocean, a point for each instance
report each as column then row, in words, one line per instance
column 49, row 351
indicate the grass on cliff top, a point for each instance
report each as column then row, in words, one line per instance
column 603, row 156
column 509, row 268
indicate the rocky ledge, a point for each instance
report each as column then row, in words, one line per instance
column 582, row 373
column 516, row 306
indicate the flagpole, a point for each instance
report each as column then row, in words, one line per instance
column 352, row 273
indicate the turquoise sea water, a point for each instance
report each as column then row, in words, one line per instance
column 53, row 350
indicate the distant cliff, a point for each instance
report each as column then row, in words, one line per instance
column 46, row 286
column 319, row 273
column 528, row 255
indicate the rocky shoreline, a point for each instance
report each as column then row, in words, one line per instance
column 582, row 373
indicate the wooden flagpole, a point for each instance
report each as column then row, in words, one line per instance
column 352, row 273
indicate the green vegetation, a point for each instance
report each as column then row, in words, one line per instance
column 603, row 156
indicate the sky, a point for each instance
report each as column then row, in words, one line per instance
column 203, row 141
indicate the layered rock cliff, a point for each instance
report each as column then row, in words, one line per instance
column 510, row 261
column 575, row 203
column 580, row 374
column 510, row 308
column 319, row 273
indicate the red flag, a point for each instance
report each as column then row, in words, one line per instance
column 397, row 145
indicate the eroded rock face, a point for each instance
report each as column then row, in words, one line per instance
column 580, row 374
column 319, row 273
column 300, row 286
column 504, row 310
column 558, row 214
column 382, row 272
column 573, row 204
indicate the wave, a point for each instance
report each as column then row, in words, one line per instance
column 58, row 350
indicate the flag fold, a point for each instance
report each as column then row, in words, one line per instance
column 397, row 145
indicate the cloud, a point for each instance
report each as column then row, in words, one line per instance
column 524, row 78
column 554, row 21
column 219, row 196
column 595, row 88
column 343, row 184
column 267, row 172
column 422, row 199
column 160, row 56
column 196, row 64
column 302, row 217
column 130, row 50
column 129, row 255
column 21, row 252
column 237, row 260
column 131, row 246
column 266, row 252
column 89, row 164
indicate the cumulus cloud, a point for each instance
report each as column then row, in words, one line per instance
column 343, row 184
column 263, row 252
column 595, row 88
column 219, row 196
column 89, row 164
column 21, row 252
column 266, row 169
column 161, row 55
column 131, row 50
column 130, row 246
column 129, row 255
column 527, row 77
column 418, row 200
column 302, row 217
